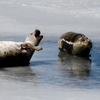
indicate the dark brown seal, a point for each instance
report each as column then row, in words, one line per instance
column 75, row 44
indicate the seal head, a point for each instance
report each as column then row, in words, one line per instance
column 34, row 38
column 75, row 44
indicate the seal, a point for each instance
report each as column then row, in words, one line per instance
column 20, row 53
column 76, row 44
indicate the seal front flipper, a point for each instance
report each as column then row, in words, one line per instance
column 66, row 46
column 26, row 46
column 38, row 48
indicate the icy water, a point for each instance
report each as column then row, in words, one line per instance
column 51, row 75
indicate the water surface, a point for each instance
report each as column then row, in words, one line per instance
column 51, row 75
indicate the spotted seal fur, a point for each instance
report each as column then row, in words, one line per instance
column 20, row 52
column 75, row 44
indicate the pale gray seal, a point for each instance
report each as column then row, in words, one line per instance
column 20, row 52
column 75, row 44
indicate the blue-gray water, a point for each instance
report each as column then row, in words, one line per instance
column 50, row 76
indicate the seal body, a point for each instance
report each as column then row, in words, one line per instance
column 19, row 53
column 75, row 44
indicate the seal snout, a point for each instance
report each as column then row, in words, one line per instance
column 90, row 43
column 37, row 32
column 37, row 35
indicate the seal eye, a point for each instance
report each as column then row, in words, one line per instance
column 87, row 38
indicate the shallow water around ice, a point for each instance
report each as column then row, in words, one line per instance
column 51, row 74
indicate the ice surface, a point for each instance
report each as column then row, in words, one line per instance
column 46, row 78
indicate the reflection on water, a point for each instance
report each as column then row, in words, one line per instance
column 17, row 73
column 77, row 66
